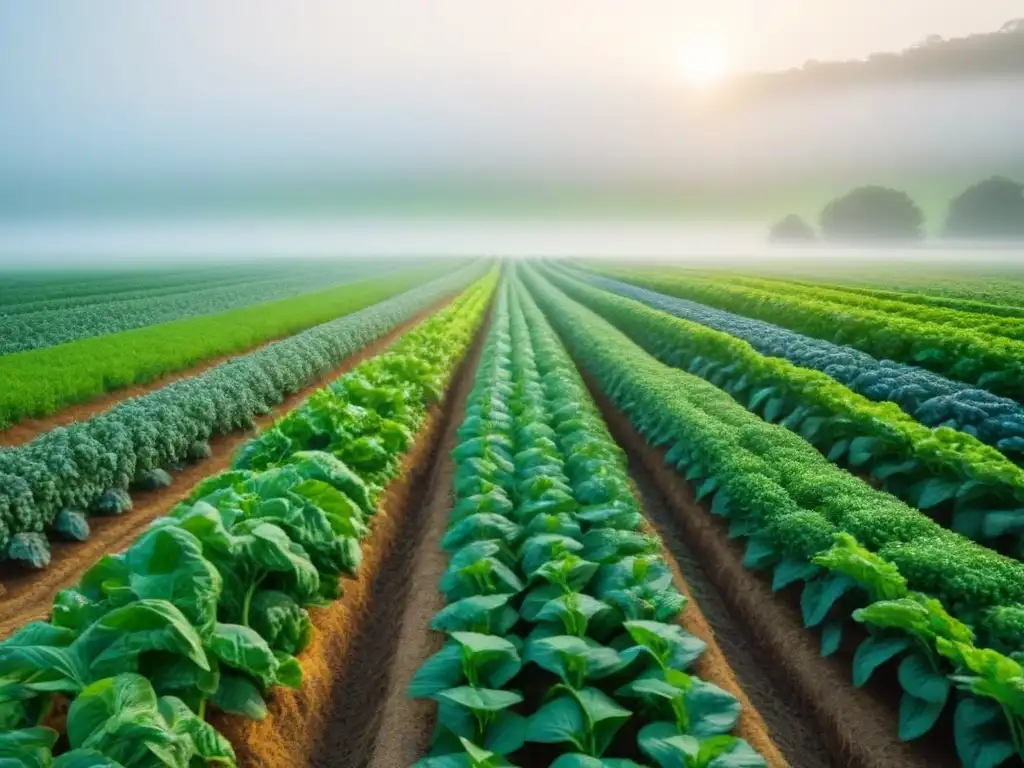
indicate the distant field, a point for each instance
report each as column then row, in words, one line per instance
column 980, row 282
column 40, row 382
column 37, row 312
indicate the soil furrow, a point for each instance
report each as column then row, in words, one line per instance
column 763, row 632
column 731, row 662
column 403, row 726
column 27, row 595
column 303, row 728
column 373, row 722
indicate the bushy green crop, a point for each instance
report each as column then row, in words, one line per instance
column 208, row 607
column 924, row 467
column 714, row 436
column 73, row 467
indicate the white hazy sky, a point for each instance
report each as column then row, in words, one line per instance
column 165, row 87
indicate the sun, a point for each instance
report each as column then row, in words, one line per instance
column 703, row 65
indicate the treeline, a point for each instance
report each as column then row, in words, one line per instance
column 992, row 209
column 986, row 55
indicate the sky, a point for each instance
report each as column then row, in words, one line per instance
column 143, row 94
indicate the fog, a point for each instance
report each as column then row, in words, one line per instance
column 228, row 110
column 626, row 139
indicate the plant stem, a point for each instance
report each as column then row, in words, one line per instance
column 248, row 599
column 201, row 714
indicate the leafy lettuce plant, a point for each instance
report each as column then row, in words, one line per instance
column 479, row 715
column 981, row 724
column 468, row 658
column 586, row 719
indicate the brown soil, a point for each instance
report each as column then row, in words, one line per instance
column 373, row 721
column 29, row 429
column 303, row 724
column 27, row 595
column 858, row 725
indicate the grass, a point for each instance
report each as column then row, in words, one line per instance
column 40, row 382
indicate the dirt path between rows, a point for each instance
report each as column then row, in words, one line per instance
column 29, row 594
column 733, row 655
column 372, row 721
column 765, row 633
column 27, row 430
column 302, row 722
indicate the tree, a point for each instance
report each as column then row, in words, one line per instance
column 791, row 229
column 993, row 208
column 872, row 213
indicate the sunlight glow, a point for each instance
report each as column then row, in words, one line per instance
column 703, row 64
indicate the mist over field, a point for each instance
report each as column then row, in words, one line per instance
column 202, row 116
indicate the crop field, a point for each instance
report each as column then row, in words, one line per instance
column 493, row 513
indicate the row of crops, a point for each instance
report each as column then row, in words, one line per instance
column 41, row 382
column 42, row 323
column 993, row 363
column 207, row 610
column 895, row 540
column 948, row 610
column 561, row 612
column 931, row 399
column 50, row 486
column 927, row 468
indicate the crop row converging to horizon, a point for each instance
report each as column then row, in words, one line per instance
column 859, row 455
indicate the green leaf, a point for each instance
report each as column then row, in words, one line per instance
column 119, row 717
column 168, row 564
column 506, row 734
column 839, row 449
column 574, row 659
column 886, row 470
column 820, row 595
column 881, row 579
column 1003, row 523
column 210, row 744
column 479, row 699
column 84, row 758
column 441, row 671
column 873, row 652
column 42, row 668
column 586, row 761
column 243, row 649
column 760, row 554
column 668, row 748
column 790, row 571
column 280, row 621
column 935, row 491
column 481, row 613
column 917, row 716
column 759, row 397
column 774, row 409
column 114, row 643
column 919, row 679
column 712, row 710
column 289, row 671
column 27, row 748
column 863, row 449
column 670, row 644
column 573, row 611
column 588, row 720
column 487, row 659
column 978, row 731
column 237, row 695
column 922, row 616
column 831, row 637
